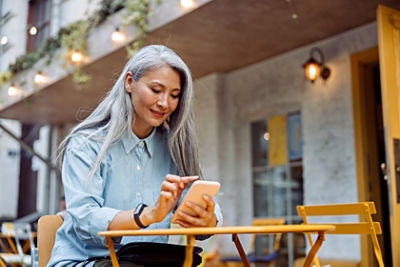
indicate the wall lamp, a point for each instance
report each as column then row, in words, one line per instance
column 314, row 69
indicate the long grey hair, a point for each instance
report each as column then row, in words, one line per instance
column 113, row 116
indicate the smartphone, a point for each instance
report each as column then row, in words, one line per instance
column 195, row 195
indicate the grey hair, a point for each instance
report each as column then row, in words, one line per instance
column 113, row 116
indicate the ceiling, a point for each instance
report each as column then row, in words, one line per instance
column 220, row 36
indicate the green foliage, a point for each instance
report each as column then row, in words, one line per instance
column 138, row 12
column 74, row 37
column 80, row 78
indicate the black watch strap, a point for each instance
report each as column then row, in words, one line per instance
column 136, row 214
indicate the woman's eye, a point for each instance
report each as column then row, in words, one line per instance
column 174, row 96
column 155, row 90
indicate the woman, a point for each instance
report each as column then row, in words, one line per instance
column 137, row 148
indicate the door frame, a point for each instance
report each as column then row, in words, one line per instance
column 358, row 60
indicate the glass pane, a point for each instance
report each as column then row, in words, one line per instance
column 46, row 11
column 278, row 191
column 260, row 194
column 296, row 187
column 270, row 192
column 259, row 134
column 295, row 142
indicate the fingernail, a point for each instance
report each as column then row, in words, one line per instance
column 188, row 204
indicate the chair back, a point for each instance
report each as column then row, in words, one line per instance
column 366, row 226
column 20, row 232
column 47, row 228
column 263, row 222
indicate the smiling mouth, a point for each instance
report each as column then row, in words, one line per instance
column 157, row 114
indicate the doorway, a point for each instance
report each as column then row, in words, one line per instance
column 370, row 148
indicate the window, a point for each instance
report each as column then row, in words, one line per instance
column 278, row 179
column 38, row 27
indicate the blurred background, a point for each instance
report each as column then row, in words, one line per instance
column 296, row 102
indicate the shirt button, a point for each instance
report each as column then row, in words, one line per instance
column 137, row 194
column 141, row 144
column 138, row 167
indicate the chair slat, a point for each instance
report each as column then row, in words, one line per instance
column 367, row 227
column 361, row 228
column 338, row 209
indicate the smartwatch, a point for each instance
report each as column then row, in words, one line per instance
column 136, row 214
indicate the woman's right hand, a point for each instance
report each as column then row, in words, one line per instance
column 170, row 193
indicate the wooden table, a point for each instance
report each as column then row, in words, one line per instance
column 234, row 231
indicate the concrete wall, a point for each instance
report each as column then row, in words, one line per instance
column 9, row 170
column 277, row 86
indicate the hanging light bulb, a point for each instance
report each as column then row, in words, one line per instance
column 266, row 136
column 117, row 36
column 76, row 57
column 13, row 91
column 4, row 40
column 314, row 69
column 40, row 78
column 33, row 30
column 187, row 3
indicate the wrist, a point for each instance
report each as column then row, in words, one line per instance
column 147, row 217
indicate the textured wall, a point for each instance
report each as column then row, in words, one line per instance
column 277, row 86
column 9, row 169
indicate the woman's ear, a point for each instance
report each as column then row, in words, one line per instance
column 129, row 82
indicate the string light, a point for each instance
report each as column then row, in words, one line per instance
column 187, row 3
column 13, row 91
column 117, row 36
column 33, row 30
column 4, row 40
column 294, row 15
column 76, row 57
column 40, row 78
column 266, row 136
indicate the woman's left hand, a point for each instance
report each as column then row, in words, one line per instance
column 203, row 218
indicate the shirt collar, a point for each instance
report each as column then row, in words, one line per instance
column 130, row 140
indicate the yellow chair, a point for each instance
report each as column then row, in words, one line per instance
column 363, row 209
column 269, row 259
column 47, row 228
column 16, row 234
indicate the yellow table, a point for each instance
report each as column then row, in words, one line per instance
column 234, row 231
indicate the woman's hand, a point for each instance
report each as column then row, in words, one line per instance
column 170, row 193
column 203, row 218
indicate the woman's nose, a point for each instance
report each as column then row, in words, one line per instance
column 163, row 101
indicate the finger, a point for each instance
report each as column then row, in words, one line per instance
column 165, row 195
column 170, row 187
column 200, row 211
column 191, row 220
column 210, row 203
column 188, row 179
column 175, row 179
column 183, row 223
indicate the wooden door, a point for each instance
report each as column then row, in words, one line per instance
column 389, row 61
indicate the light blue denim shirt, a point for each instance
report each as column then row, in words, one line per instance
column 130, row 173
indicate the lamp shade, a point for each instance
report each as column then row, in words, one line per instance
column 312, row 69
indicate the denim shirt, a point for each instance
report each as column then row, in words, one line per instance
column 130, row 173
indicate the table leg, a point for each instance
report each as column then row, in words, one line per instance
column 189, row 252
column 113, row 256
column 314, row 249
column 240, row 249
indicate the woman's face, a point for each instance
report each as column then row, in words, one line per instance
column 155, row 96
